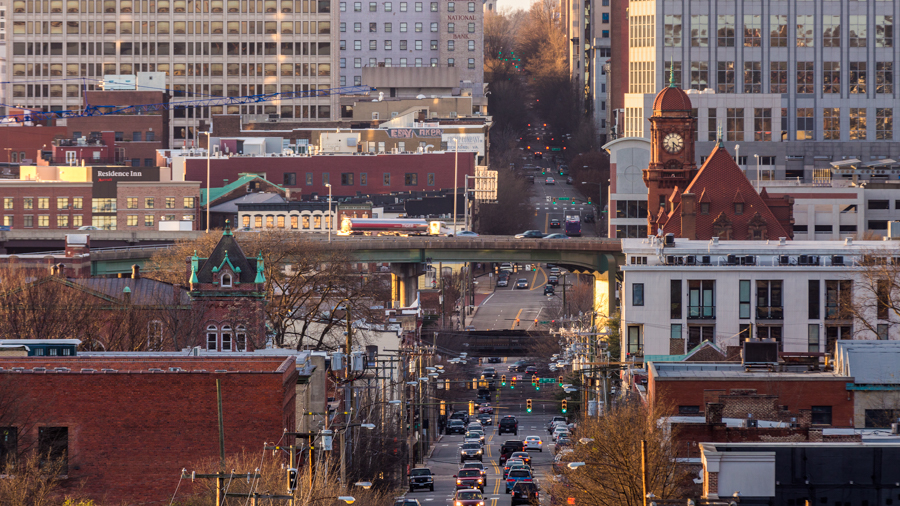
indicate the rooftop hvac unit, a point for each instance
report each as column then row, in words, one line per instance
column 837, row 260
column 705, row 260
column 690, row 260
column 670, row 239
column 784, row 260
column 732, row 260
column 751, row 423
column 760, row 352
column 748, row 260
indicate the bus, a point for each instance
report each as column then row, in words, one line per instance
column 573, row 226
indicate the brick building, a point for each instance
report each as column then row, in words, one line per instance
column 349, row 175
column 25, row 143
column 791, row 392
column 127, row 424
column 75, row 260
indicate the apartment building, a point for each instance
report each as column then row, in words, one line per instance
column 799, row 83
column 205, row 49
column 2, row 55
column 677, row 294
column 588, row 28
column 412, row 34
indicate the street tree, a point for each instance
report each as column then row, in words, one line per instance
column 869, row 295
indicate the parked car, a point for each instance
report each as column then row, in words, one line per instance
column 421, row 477
column 522, row 283
column 553, row 421
column 468, row 497
column 559, row 431
column 555, row 223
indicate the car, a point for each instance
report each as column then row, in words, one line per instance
column 485, row 419
column 555, row 419
column 406, row 501
column 561, row 459
column 549, row 180
column 456, row 427
column 555, row 424
column 569, row 180
column 552, row 280
column 554, row 271
column 516, row 476
column 531, row 369
column 471, row 451
column 560, row 431
column 556, row 236
column 508, row 425
column 494, row 360
column 503, row 282
column 523, row 456
column 563, row 442
column 506, row 266
column 486, row 408
column 89, row 227
column 466, row 233
column 489, row 373
column 510, row 447
column 534, row 443
column 525, row 493
column 475, row 465
column 510, row 465
column 555, row 223
column 538, row 155
column 469, row 478
column 529, row 234
column 549, row 290
column 476, row 435
column 522, row 283
column 460, row 415
column 421, row 477
column 468, row 497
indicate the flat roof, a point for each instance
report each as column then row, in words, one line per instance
column 97, row 363
column 770, row 247
column 730, row 370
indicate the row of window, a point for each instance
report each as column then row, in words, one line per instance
column 226, row 338
column 77, row 220
column 173, row 48
column 304, row 222
column 362, row 178
column 176, row 6
column 871, row 225
column 751, row 79
column 53, row 444
column 404, row 6
column 404, row 27
column 103, row 205
column 29, row 203
column 389, row 45
column 736, row 121
column 751, row 32
column 171, row 27
column 43, row 221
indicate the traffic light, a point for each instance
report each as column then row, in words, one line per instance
column 512, row 383
column 565, row 406
column 474, row 383
column 503, row 380
column 534, row 380
column 471, row 408
column 292, row 479
column 443, row 408
column 528, row 405
column 447, row 384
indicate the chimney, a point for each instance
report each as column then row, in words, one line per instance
column 714, row 412
column 53, row 269
column 688, row 216
column 135, row 271
column 60, row 269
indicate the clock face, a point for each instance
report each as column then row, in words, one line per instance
column 673, row 143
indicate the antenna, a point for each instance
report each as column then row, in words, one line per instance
column 672, row 72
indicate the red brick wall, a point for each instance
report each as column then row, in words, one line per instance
column 130, row 434
column 17, row 191
column 28, row 140
column 689, row 435
column 375, row 166
column 159, row 192
column 796, row 394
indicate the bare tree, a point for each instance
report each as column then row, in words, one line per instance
column 869, row 296
column 612, row 474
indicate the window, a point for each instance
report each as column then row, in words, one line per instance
column 725, row 30
column 434, row 46
column 434, row 27
column 831, row 77
column 699, row 30
column 762, row 126
column 698, row 333
column 373, row 45
column 752, row 77
column 386, row 179
column 734, row 123
column 704, row 208
column 388, row 7
column 170, row 202
column 346, row 179
column 634, row 340
column 450, row 45
column 805, row 123
column 226, row 280
column 373, row 28
column 637, row 294
column 131, row 203
column 672, row 30
column 837, row 292
column 131, row 220
column 62, row 221
column 884, row 77
column 471, row 47
column 884, row 31
column 403, row 29
column 189, row 202
column 813, row 299
column 53, row 445
column 388, row 45
column 388, row 27
column 744, row 299
column 357, row 63
column 778, row 77
column 471, row 63
column 884, row 124
column 821, row 415
column 712, row 126
column 411, row 179
column 373, row 7
column 725, row 77
column 402, row 6
column 418, row 6
column 881, row 418
column 831, row 124
column 675, row 331
column 699, row 75
column 8, row 203
column 778, row 30
column 357, row 27
column 857, row 124
column 28, row 203
column 148, row 203
column 472, row 28
column 62, row 203
column 357, row 6
column 28, row 221
column 148, row 220
column 418, row 48
column 471, row 7
column 857, row 30
column 769, row 300
column 701, row 299
column 806, row 31
column 241, row 337
column 812, row 338
column 688, row 410
column 8, row 447
column 831, row 31
column 675, row 299
column 858, row 77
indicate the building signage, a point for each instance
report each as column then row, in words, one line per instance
column 106, row 178
column 409, row 133
column 467, row 142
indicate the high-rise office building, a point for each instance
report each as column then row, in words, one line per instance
column 588, row 30
column 801, row 84
column 206, row 48
column 2, row 55
column 412, row 34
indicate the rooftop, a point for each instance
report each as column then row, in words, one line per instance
column 147, row 363
column 869, row 362
column 730, row 371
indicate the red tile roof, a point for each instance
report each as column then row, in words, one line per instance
column 672, row 99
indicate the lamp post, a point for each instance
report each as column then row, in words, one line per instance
column 330, row 221
column 455, row 181
column 208, row 151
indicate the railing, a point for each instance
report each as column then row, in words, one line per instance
column 770, row 313
column 701, row 312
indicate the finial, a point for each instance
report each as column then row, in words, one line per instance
column 227, row 230
column 719, row 142
column 672, row 72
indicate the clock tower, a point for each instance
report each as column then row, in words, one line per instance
column 672, row 127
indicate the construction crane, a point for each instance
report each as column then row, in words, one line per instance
column 109, row 110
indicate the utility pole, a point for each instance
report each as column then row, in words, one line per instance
column 565, row 307
column 441, row 297
column 644, row 469
column 220, row 480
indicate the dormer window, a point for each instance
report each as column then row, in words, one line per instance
column 738, row 208
column 704, row 208
column 226, row 280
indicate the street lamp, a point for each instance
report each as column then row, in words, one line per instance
column 575, row 465
column 328, row 185
column 349, row 499
column 455, row 168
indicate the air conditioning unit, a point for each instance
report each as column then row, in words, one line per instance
column 760, row 352
column 751, row 423
column 690, row 260
column 731, row 260
column 748, row 260
column 670, row 260
column 705, row 260
column 784, row 260
column 803, row 260
column 837, row 260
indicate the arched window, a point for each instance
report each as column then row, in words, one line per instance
column 212, row 338
column 13, row 157
column 226, row 280
column 241, row 338
column 226, row 338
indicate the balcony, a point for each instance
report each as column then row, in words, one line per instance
column 770, row 313
column 701, row 312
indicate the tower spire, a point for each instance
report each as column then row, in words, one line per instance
column 672, row 72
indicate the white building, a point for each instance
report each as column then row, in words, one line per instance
column 588, row 25
column 677, row 295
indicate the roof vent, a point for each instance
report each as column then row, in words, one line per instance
column 175, row 369
column 155, row 369
column 88, row 370
column 18, row 369
column 221, row 370
column 715, row 241
column 63, row 369
column 39, row 369
column 108, row 370
column 848, row 241
column 782, row 241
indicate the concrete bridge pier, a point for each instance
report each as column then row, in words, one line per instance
column 404, row 282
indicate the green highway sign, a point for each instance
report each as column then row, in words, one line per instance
column 549, row 380
column 544, row 322
column 565, row 198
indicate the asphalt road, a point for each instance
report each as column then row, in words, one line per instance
column 444, row 461
column 557, row 200
column 501, row 309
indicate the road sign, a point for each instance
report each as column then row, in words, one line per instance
column 548, row 380
column 544, row 322
column 485, row 184
column 565, row 198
